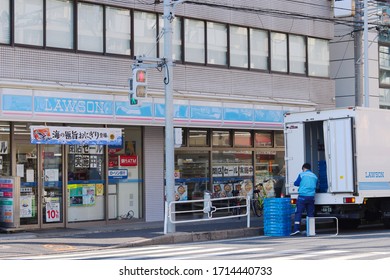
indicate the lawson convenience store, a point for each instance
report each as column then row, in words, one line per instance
column 93, row 158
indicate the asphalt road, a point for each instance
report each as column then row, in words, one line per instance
column 366, row 243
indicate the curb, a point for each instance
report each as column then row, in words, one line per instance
column 188, row 237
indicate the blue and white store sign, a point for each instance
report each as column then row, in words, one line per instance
column 117, row 174
column 35, row 105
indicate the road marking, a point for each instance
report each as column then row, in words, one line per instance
column 356, row 256
column 226, row 254
column 309, row 255
column 59, row 247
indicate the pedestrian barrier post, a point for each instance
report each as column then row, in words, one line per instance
column 311, row 225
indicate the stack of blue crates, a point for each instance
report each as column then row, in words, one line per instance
column 322, row 176
column 277, row 216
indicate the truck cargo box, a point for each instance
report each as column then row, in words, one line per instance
column 349, row 151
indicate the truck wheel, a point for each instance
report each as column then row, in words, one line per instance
column 349, row 223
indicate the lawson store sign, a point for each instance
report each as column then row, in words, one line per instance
column 34, row 105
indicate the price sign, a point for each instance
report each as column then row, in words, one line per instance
column 52, row 212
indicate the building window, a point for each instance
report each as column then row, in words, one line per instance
column 384, row 66
column 259, row 50
column 238, row 46
column 118, row 31
column 318, row 57
column 297, row 54
column 242, row 139
column 198, row 138
column 278, row 52
column 90, row 27
column 29, row 22
column 263, row 139
column 145, row 34
column 194, row 41
column 5, row 30
column 279, row 138
column 176, row 39
column 216, row 43
column 59, row 24
column 222, row 138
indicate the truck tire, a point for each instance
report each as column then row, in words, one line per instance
column 349, row 223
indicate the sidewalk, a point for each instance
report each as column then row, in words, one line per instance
column 137, row 233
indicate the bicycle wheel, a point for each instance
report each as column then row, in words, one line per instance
column 257, row 208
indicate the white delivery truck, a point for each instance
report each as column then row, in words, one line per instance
column 349, row 150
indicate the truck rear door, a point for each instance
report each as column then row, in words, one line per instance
column 339, row 154
column 295, row 153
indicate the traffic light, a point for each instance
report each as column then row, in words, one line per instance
column 139, row 84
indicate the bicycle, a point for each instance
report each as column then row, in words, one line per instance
column 257, row 202
column 128, row 216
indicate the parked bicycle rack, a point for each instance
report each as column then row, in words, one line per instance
column 311, row 225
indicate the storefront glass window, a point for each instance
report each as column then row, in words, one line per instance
column 270, row 172
column 242, row 139
column 279, row 138
column 222, row 138
column 198, row 138
column 86, row 174
column 52, row 198
column 232, row 171
column 191, row 175
column 5, row 150
column 124, row 176
column 27, row 169
column 263, row 139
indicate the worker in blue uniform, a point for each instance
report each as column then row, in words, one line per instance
column 307, row 182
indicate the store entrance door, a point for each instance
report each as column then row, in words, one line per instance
column 41, row 190
column 51, row 186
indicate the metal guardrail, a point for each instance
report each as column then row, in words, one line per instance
column 210, row 209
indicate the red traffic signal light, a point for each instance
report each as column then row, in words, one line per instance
column 141, row 76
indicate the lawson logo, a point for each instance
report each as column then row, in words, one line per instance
column 375, row 174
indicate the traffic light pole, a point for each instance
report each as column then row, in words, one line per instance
column 169, row 227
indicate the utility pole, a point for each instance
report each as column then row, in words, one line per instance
column 169, row 139
column 366, row 75
column 358, row 38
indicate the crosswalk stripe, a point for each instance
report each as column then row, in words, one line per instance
column 196, row 255
column 356, row 256
column 308, row 255
column 98, row 252
column 136, row 255
column 180, row 253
